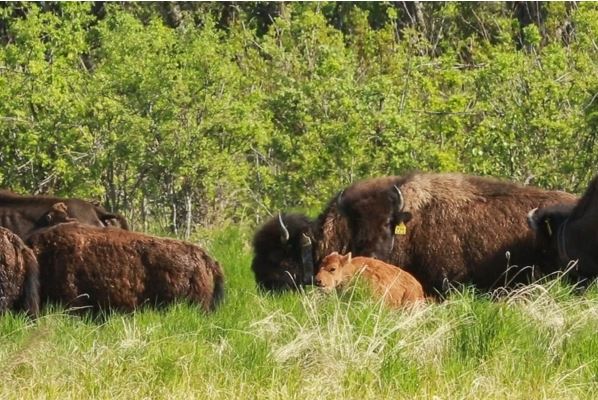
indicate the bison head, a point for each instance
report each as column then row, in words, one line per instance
column 373, row 214
column 283, row 255
column 547, row 224
column 58, row 214
column 331, row 273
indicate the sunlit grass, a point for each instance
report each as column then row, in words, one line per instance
column 536, row 342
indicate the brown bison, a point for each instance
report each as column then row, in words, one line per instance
column 25, row 214
column 101, row 268
column 442, row 228
column 566, row 232
column 19, row 275
column 396, row 286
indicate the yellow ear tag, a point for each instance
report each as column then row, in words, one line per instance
column 400, row 229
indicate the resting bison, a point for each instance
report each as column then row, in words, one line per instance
column 442, row 228
column 569, row 232
column 19, row 275
column 396, row 286
column 85, row 266
column 25, row 214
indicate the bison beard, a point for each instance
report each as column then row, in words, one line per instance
column 19, row 275
column 458, row 228
column 567, row 232
column 83, row 266
column 25, row 214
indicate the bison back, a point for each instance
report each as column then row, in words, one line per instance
column 84, row 266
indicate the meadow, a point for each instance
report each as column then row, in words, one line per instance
column 537, row 342
column 188, row 117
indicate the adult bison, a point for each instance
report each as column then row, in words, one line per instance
column 101, row 268
column 25, row 214
column 566, row 232
column 442, row 228
column 19, row 275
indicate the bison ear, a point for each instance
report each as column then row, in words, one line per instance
column 405, row 216
column 348, row 257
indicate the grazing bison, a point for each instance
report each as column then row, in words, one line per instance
column 442, row 228
column 25, row 214
column 396, row 286
column 86, row 266
column 566, row 232
column 19, row 275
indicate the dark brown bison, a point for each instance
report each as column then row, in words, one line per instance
column 394, row 285
column 25, row 214
column 19, row 275
column 566, row 232
column 283, row 257
column 442, row 228
column 101, row 268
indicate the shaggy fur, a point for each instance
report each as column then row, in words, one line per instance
column 396, row 286
column 85, row 266
column 575, row 229
column 459, row 228
column 19, row 275
column 25, row 214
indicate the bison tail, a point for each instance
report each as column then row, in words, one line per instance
column 31, row 292
column 218, row 294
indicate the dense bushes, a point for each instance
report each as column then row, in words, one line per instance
column 201, row 113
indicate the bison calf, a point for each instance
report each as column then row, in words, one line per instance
column 396, row 286
column 85, row 266
column 19, row 275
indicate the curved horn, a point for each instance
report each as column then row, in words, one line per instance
column 401, row 199
column 531, row 221
column 285, row 237
column 340, row 197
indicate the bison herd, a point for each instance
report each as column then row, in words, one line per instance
column 442, row 229
column 76, row 253
column 445, row 229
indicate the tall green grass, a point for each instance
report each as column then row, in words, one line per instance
column 538, row 342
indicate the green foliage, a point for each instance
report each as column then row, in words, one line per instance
column 195, row 114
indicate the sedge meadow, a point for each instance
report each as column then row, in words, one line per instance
column 536, row 342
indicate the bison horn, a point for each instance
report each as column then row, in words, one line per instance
column 285, row 237
column 340, row 198
column 531, row 221
column 401, row 199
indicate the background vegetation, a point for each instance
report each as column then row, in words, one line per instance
column 197, row 114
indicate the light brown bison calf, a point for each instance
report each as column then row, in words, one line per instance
column 396, row 286
column 19, row 275
column 85, row 266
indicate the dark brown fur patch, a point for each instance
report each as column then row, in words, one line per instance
column 101, row 268
column 565, row 234
column 18, row 275
column 25, row 214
